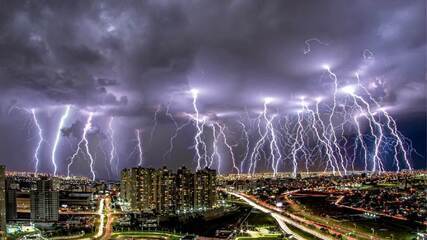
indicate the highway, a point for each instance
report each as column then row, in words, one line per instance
column 106, row 218
column 101, row 214
column 100, row 230
column 110, row 219
column 281, row 220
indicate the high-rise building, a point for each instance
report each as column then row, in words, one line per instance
column 164, row 187
column 11, row 190
column 164, row 192
column 184, row 189
column 11, row 213
column 146, row 189
column 2, row 202
column 204, row 189
column 45, row 202
column 128, row 186
column 137, row 188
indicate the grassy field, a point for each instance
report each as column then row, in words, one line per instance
column 316, row 208
column 272, row 237
column 303, row 234
column 145, row 235
column 257, row 218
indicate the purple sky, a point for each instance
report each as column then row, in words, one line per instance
column 125, row 59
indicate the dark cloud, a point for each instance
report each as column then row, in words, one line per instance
column 154, row 47
column 75, row 130
column 106, row 82
column 125, row 58
column 80, row 55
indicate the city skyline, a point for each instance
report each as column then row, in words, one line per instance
column 89, row 89
column 163, row 203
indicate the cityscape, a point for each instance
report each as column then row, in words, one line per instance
column 226, row 119
column 164, row 204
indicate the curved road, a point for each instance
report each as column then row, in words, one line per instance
column 281, row 220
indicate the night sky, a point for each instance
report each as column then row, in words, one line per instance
column 131, row 59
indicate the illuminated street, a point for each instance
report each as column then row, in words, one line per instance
column 282, row 221
column 110, row 218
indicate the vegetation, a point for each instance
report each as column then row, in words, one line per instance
column 153, row 235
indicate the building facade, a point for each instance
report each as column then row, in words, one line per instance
column 204, row 189
column 162, row 191
column 184, row 190
column 2, row 202
column 45, row 202
column 11, row 213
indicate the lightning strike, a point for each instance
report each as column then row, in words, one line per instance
column 172, row 139
column 39, row 143
column 246, row 139
column 85, row 148
column 331, row 127
column 197, row 138
column 307, row 43
column 153, row 130
column 58, row 136
column 113, row 152
column 139, row 146
column 229, row 147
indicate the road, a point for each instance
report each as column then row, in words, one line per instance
column 106, row 219
column 281, row 220
column 332, row 227
column 101, row 214
column 110, row 219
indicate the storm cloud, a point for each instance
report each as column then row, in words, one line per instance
column 126, row 58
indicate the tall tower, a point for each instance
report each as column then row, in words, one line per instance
column 204, row 189
column 184, row 189
column 164, row 191
column 45, row 202
column 2, row 202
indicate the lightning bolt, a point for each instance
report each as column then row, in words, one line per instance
column 320, row 131
column 84, row 141
column 255, row 155
column 170, row 115
column 363, row 144
column 113, row 152
column 269, row 134
column 296, row 146
column 377, row 162
column 197, row 138
column 215, row 152
column 174, row 136
column 307, row 43
column 87, row 127
column 39, row 143
column 333, row 134
column 153, row 130
column 391, row 123
column 36, row 123
column 140, row 151
column 274, row 148
column 246, row 138
column 58, row 135
column 229, row 147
